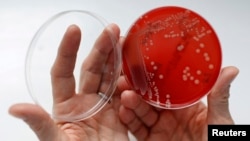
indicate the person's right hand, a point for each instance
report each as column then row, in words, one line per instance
column 189, row 124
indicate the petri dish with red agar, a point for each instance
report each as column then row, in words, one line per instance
column 171, row 57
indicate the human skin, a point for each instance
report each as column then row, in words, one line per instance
column 105, row 125
column 189, row 124
column 126, row 111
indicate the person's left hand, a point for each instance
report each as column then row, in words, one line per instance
column 105, row 125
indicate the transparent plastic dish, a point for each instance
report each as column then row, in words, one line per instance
column 42, row 53
column 171, row 57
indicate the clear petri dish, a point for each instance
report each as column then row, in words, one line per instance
column 41, row 56
column 171, row 57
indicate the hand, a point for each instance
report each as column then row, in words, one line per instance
column 105, row 125
column 189, row 124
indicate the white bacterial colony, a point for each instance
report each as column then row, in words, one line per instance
column 187, row 76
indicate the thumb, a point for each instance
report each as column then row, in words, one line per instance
column 218, row 105
column 38, row 120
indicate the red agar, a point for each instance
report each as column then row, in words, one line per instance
column 171, row 57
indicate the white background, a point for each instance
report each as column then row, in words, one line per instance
column 20, row 19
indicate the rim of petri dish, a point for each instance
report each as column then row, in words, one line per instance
column 164, row 21
column 38, row 61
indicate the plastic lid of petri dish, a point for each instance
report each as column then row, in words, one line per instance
column 171, row 57
column 41, row 56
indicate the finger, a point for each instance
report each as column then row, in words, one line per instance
column 93, row 66
column 135, row 115
column 38, row 120
column 142, row 110
column 63, row 81
column 122, row 82
column 218, row 105
column 122, row 85
column 135, row 126
column 112, row 68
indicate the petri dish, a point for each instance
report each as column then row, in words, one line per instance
column 41, row 56
column 172, row 57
